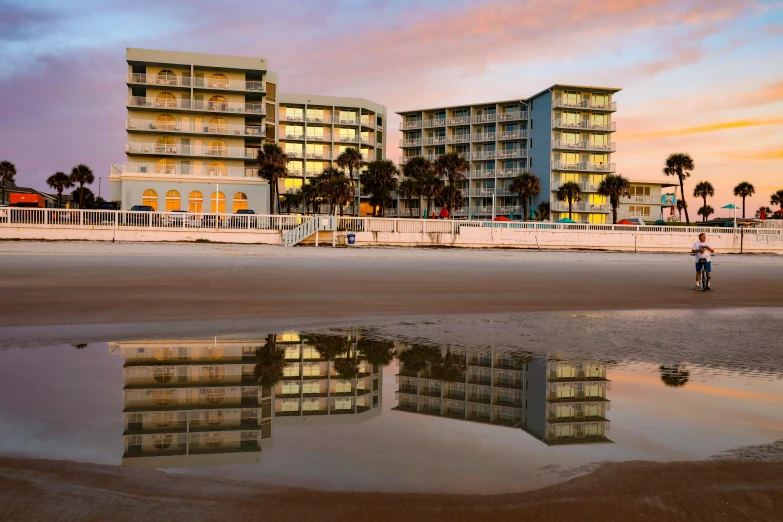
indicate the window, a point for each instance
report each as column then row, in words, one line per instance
column 293, row 113
column 292, row 352
column 172, row 200
column 218, row 168
column 311, row 387
column 291, row 370
column 218, row 126
column 312, row 370
column 571, row 98
column 150, row 198
column 571, row 137
column 599, row 100
column 315, row 115
column 342, row 403
column 290, row 388
column 598, row 159
column 600, row 119
column 166, row 77
column 343, row 387
column 165, row 122
column 599, row 139
column 218, row 81
column 639, row 191
column 217, row 103
column 196, row 202
column 310, row 405
column 218, row 203
column 217, row 148
column 348, row 117
column 240, row 201
column 165, row 99
column 639, row 211
column 165, row 166
column 294, row 132
column 290, row 405
column 571, row 118
column 165, row 146
column 315, row 133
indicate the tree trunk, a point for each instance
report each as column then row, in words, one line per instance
column 420, row 206
column 524, row 207
column 614, row 214
column 685, row 207
column 81, row 195
column 743, row 207
column 569, row 208
column 271, row 197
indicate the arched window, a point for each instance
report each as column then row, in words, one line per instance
column 218, row 103
column 218, row 203
column 214, row 395
column 172, row 200
column 163, row 419
column 162, row 442
column 240, row 201
column 218, row 126
column 165, row 146
column 218, row 168
column 166, row 77
column 165, row 166
column 165, row 99
column 217, row 148
column 150, row 198
column 163, row 397
column 214, row 440
column 215, row 417
column 165, row 122
column 196, row 202
column 219, row 81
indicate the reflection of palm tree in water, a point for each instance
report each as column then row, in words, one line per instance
column 270, row 363
column 450, row 367
column 674, row 375
column 418, row 357
column 377, row 353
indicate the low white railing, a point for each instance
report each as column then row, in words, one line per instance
column 584, row 125
column 584, row 104
column 650, row 200
column 562, row 206
column 186, row 170
column 434, row 122
column 513, row 135
column 413, row 142
column 582, row 166
column 410, row 125
column 190, row 150
column 347, row 139
column 509, row 173
column 318, row 137
column 486, row 173
column 484, row 118
column 192, row 128
column 435, row 140
column 459, row 120
column 584, row 187
column 197, row 105
column 482, row 155
column 342, row 120
column 459, row 138
column 489, row 136
column 583, row 145
column 512, row 115
column 201, row 83
column 511, row 153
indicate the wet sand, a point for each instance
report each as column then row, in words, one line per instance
column 35, row 490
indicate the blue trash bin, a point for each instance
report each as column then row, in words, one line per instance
column 351, row 239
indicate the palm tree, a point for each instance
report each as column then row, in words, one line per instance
column 681, row 165
column 7, row 175
column 674, row 375
column 418, row 168
column 702, row 190
column 681, row 205
column 351, row 159
column 706, row 211
column 614, row 187
column 767, row 211
column 272, row 166
column 82, row 175
column 377, row 353
column 543, row 210
column 270, row 363
column 84, row 195
column 342, row 192
column 527, row 186
column 743, row 190
column 347, row 368
column 570, row 192
column 450, row 197
column 290, row 200
column 451, row 166
column 777, row 199
column 409, row 189
column 417, row 358
column 380, row 179
column 450, row 367
column 308, row 193
column 431, row 186
column 59, row 181
column 333, row 186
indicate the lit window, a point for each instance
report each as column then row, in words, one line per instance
column 166, row 77
column 342, row 404
column 172, row 200
column 311, row 387
column 291, row 370
column 343, row 387
column 312, row 370
column 240, row 201
column 165, row 146
column 290, row 405
column 218, row 126
column 217, row 103
column 165, row 122
column 165, row 166
column 311, row 405
column 290, row 388
column 196, row 201
column 150, row 198
column 219, row 81
column 218, row 168
column 218, row 203
column 217, row 148
column 165, row 99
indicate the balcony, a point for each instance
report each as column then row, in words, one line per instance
column 345, row 120
column 589, row 104
column 326, row 155
column 486, row 193
column 582, row 166
column 296, row 154
column 512, row 115
column 584, row 187
column 587, row 125
column 562, row 206
column 511, row 153
column 481, row 155
column 410, row 125
column 647, row 199
column 191, row 150
column 367, row 122
column 520, row 134
column 483, row 173
column 318, row 137
column 490, row 136
column 346, row 139
column 195, row 105
column 459, row 138
column 413, row 142
column 296, row 136
column 583, row 145
column 430, row 157
column 321, row 119
column 198, row 83
column 192, row 128
column 459, row 120
column 484, row 118
column 435, row 140
column 509, row 173
column 158, row 169
column 434, row 122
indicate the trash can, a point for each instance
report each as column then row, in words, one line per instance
column 351, row 239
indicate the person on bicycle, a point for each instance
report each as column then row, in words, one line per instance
column 703, row 251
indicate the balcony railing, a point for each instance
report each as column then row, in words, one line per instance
column 318, row 137
column 511, row 153
column 326, row 155
column 345, row 120
column 584, row 187
column 520, row 134
column 347, row 139
column 431, row 157
column 583, row 145
column 459, row 120
column 584, row 104
column 294, row 153
column 188, row 170
column 483, row 173
column 486, row 192
column 562, row 206
column 192, row 128
column 509, row 173
column 196, row 105
column 435, row 140
column 190, row 150
column 582, row 166
column 482, row 155
column 410, row 125
column 459, row 138
column 560, row 123
column 484, row 118
column 199, row 83
column 641, row 199
column 413, row 142
column 512, row 115
column 489, row 136
column 434, row 122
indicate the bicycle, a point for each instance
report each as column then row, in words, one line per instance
column 703, row 279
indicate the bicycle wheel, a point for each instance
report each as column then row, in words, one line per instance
column 703, row 279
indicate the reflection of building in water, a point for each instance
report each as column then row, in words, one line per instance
column 193, row 403
column 312, row 388
column 558, row 402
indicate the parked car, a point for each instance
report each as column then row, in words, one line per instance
column 109, row 205
column 139, row 219
column 243, row 218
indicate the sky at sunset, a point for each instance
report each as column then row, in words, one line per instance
column 697, row 76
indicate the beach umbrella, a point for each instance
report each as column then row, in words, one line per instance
column 733, row 207
column 444, row 212
column 660, row 222
column 566, row 220
column 625, row 222
column 501, row 218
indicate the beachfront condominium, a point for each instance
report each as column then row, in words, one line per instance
column 315, row 129
column 555, row 400
column 193, row 403
column 560, row 134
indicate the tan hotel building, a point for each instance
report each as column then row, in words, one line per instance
column 195, row 123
